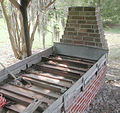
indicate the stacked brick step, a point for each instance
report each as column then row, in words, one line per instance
column 84, row 26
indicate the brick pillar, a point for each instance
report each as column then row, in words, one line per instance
column 84, row 26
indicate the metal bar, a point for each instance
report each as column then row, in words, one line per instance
column 47, row 80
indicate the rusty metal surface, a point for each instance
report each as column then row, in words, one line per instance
column 50, row 78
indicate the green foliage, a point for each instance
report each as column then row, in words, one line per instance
column 110, row 11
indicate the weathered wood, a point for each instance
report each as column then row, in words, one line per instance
column 57, row 77
column 41, row 91
column 68, row 62
column 17, row 108
column 66, row 66
column 60, row 71
column 45, row 85
column 16, row 98
column 33, row 106
column 48, row 80
column 76, row 58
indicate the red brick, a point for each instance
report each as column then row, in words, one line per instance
column 88, row 38
column 78, row 17
column 83, row 30
column 79, row 38
column 78, row 42
column 90, row 18
column 72, row 33
column 70, row 29
column 83, row 34
column 86, row 26
column 90, row 30
column 90, row 43
column 82, row 22
column 91, row 22
column 94, row 35
column 97, row 39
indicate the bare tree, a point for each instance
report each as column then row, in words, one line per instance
column 21, row 31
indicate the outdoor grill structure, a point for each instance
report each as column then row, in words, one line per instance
column 64, row 78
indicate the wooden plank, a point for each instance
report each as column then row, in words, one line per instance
column 70, row 59
column 18, row 108
column 76, row 58
column 68, row 62
column 49, row 75
column 59, row 71
column 44, row 91
column 45, row 85
column 33, row 106
column 25, row 93
column 66, row 66
column 48, row 80
column 41, row 91
column 15, row 97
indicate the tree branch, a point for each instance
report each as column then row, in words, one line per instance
column 15, row 3
column 50, row 4
column 34, row 29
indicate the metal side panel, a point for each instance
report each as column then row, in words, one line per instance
column 79, row 51
column 21, row 65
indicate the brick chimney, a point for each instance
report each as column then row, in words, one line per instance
column 84, row 26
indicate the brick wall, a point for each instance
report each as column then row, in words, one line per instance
column 84, row 26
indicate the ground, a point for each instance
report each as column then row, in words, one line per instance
column 108, row 98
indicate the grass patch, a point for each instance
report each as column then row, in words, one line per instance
column 3, row 33
column 114, row 29
column 113, row 39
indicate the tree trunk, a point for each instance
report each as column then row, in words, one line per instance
column 23, row 10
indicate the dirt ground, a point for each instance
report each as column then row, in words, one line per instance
column 108, row 98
